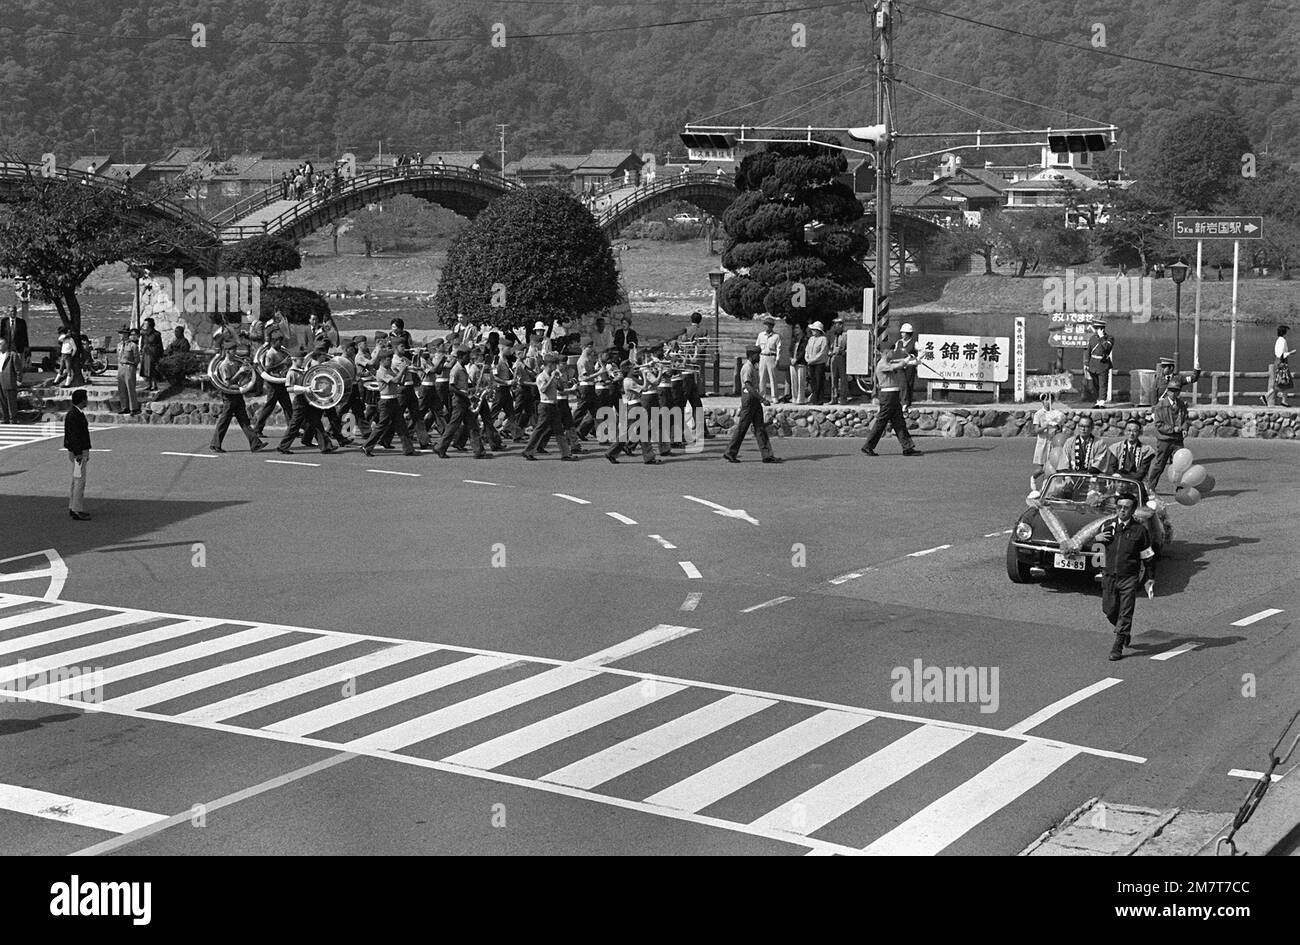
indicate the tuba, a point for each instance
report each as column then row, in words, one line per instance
column 271, row 370
column 232, row 371
column 329, row 383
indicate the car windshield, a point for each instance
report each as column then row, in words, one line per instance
column 1096, row 491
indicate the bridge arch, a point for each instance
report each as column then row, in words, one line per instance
column 706, row 191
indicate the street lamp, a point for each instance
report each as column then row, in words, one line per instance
column 715, row 280
column 1178, row 272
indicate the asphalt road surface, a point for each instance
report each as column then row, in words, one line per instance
column 313, row 654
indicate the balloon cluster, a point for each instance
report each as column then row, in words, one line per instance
column 1191, row 478
column 1055, row 454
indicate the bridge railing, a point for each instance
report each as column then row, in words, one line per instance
column 231, row 234
column 659, row 185
column 21, row 172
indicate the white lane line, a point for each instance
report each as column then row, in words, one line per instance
column 393, row 472
column 570, row 498
column 1060, row 705
column 723, row 510
column 1252, row 775
column 968, row 805
column 663, row 542
column 928, row 551
column 692, row 601
column 841, row 792
column 663, row 633
column 632, row 753
column 289, row 462
column 554, row 728
column 74, row 810
column 767, row 603
column 1176, row 651
column 755, row 761
column 93, row 450
column 1005, row 531
column 845, row 578
column 191, row 455
column 691, row 570
column 1255, row 618
column 619, row 517
column 480, row 482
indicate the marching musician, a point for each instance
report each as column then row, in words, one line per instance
column 461, row 413
column 306, row 416
column 589, row 371
column 410, row 400
column 356, row 402
column 430, row 368
column 525, row 379
column 502, row 379
column 330, row 418
column 631, row 408
column 651, row 372
column 273, row 362
column 233, row 406
column 483, row 384
column 549, row 384
column 389, row 373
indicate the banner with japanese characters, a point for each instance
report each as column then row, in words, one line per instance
column 963, row 358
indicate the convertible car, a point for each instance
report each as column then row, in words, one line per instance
column 1058, row 531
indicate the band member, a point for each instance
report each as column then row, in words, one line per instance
column 650, row 375
column 273, row 361
column 525, row 394
column 1083, row 451
column 482, row 387
column 567, row 393
column 1170, row 419
column 1099, row 361
column 389, row 374
column 443, row 359
column 330, row 418
column 306, row 417
column 355, row 403
column 751, row 411
column 233, row 406
column 550, row 383
column 1130, row 561
column 409, row 399
column 461, row 414
column 890, row 379
column 503, row 381
column 589, row 371
column 1130, row 457
column 429, row 366
column 633, row 416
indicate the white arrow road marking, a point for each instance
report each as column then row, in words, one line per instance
column 57, row 572
column 663, row 542
column 1255, row 618
column 74, row 810
column 723, row 510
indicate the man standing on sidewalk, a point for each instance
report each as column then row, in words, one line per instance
column 751, row 412
column 8, row 383
column 76, row 440
column 769, row 353
column 1130, row 561
column 128, row 357
column 839, row 362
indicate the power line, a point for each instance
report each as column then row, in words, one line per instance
column 767, row 98
column 1097, row 51
column 960, row 108
column 979, row 88
column 824, row 98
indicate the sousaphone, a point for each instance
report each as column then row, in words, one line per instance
column 329, row 383
column 272, row 364
column 231, row 371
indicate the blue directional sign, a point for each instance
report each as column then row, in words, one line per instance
column 1218, row 228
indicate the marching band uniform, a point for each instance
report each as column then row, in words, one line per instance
column 549, row 384
column 276, row 395
column 751, row 412
column 430, row 407
column 410, row 404
column 330, row 418
column 390, row 409
column 233, row 407
column 526, row 399
column 305, row 416
column 650, row 375
column 461, row 414
column 631, row 407
column 502, row 378
column 588, row 371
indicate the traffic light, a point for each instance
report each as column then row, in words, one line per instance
column 875, row 134
column 1075, row 144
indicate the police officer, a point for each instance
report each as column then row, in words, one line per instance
column 906, row 344
column 890, row 377
column 751, row 412
column 1170, row 418
column 1099, row 361
column 1130, row 561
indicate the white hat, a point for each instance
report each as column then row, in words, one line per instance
column 539, row 326
column 816, row 326
column 907, row 328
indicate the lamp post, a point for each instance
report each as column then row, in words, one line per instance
column 715, row 279
column 1178, row 272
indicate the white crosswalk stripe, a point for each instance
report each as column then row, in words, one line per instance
column 21, row 434
column 604, row 736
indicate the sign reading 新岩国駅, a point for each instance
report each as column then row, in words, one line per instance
column 1218, row 228
column 1038, row 384
column 963, row 358
column 1069, row 329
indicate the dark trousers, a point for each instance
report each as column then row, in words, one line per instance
column 890, row 415
column 276, row 395
column 233, row 407
column 431, row 408
column 1165, row 450
column 587, row 407
column 305, row 418
column 461, row 418
column 391, row 421
column 1118, row 597
column 487, row 415
column 443, row 390
column 8, row 405
column 1099, row 381
column 527, row 404
column 817, row 381
column 410, row 404
column 751, row 415
column 505, row 406
column 647, row 452
column 549, row 423
column 909, row 382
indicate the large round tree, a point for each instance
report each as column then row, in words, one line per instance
column 531, row 254
column 788, row 238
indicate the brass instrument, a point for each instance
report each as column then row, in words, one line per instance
column 232, row 371
column 328, row 384
column 483, row 386
column 274, row 372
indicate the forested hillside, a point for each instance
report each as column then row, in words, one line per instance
column 323, row 76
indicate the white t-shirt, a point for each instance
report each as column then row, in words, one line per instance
column 70, row 347
column 1280, row 349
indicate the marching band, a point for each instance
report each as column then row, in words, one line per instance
column 480, row 395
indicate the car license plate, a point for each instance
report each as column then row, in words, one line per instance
column 1069, row 562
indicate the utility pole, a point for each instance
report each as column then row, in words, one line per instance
column 502, row 129
column 884, row 164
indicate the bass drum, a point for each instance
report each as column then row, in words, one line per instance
column 329, row 383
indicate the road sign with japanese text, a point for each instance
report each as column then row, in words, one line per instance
column 964, row 358
column 1069, row 329
column 1218, row 228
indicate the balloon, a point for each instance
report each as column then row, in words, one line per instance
column 1187, row 495
column 1182, row 459
column 1059, row 440
column 1207, row 484
column 1055, row 457
column 1194, row 475
column 1174, row 475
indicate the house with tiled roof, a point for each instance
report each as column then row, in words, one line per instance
column 176, row 162
column 92, row 163
column 540, row 169
column 577, row 172
column 126, row 173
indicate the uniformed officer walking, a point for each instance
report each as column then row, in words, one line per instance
column 890, row 377
column 1170, row 418
column 1130, row 561
column 751, row 412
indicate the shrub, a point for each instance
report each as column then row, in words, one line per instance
column 298, row 305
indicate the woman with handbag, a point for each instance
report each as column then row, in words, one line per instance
column 1280, row 380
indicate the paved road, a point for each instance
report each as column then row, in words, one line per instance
column 511, row 657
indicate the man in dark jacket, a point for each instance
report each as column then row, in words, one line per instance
column 1130, row 562
column 76, row 440
column 1170, row 419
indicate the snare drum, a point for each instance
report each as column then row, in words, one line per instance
column 370, row 393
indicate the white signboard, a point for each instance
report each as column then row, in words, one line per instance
column 868, row 308
column 1038, row 384
column 858, row 350
column 1020, row 360
column 963, row 358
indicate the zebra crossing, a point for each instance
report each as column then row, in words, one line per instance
column 22, row 434
column 795, row 769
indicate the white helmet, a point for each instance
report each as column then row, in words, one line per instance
column 907, row 328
